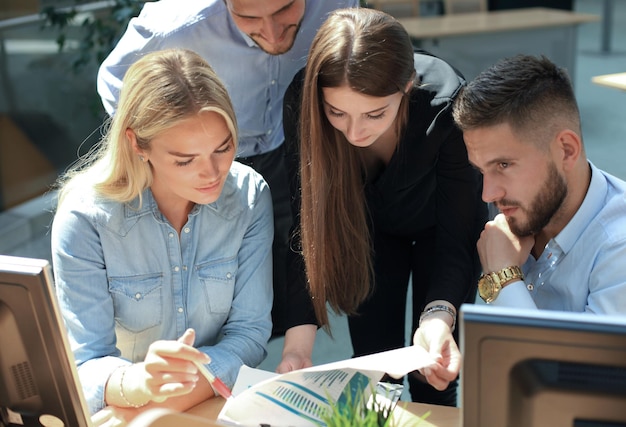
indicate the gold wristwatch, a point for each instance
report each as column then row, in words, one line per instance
column 490, row 284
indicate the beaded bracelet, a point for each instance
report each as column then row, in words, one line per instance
column 129, row 403
column 435, row 308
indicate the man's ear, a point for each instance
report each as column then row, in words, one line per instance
column 570, row 146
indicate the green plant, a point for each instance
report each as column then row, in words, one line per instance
column 362, row 411
column 101, row 29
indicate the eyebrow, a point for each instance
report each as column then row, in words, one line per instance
column 179, row 154
column 285, row 7
column 366, row 112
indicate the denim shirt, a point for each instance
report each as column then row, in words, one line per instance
column 125, row 278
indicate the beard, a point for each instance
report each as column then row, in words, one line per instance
column 543, row 207
column 282, row 49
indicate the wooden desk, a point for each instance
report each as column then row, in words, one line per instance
column 440, row 416
column 473, row 41
column 616, row 81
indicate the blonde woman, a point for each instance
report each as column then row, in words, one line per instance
column 162, row 244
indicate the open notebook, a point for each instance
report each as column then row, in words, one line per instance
column 38, row 379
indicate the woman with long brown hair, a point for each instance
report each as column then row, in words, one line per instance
column 383, row 195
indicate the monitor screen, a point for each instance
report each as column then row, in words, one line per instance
column 38, row 379
column 529, row 368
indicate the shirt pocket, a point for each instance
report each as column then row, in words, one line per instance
column 218, row 280
column 137, row 301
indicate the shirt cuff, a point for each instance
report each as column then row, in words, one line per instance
column 515, row 294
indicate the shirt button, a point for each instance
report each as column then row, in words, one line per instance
column 273, row 82
column 180, row 309
column 184, row 268
column 187, row 229
column 177, row 268
column 171, row 234
column 137, row 295
column 229, row 275
column 269, row 132
column 530, row 286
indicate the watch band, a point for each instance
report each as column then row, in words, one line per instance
column 507, row 275
column 490, row 284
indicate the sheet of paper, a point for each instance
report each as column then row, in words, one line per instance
column 248, row 377
column 300, row 397
column 396, row 363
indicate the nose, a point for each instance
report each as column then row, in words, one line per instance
column 492, row 190
column 210, row 168
column 353, row 130
column 272, row 30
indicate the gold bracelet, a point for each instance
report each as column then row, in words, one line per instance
column 440, row 307
column 126, row 401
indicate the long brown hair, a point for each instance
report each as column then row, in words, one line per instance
column 370, row 52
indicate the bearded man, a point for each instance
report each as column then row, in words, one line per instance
column 559, row 241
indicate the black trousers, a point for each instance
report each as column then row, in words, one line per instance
column 271, row 166
column 380, row 324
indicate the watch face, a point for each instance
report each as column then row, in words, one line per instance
column 486, row 288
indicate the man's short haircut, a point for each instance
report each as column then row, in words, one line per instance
column 532, row 94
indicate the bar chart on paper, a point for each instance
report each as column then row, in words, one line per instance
column 298, row 398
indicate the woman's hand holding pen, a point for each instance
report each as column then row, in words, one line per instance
column 167, row 378
column 168, row 370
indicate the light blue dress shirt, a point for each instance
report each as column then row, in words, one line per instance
column 256, row 81
column 582, row 268
column 125, row 278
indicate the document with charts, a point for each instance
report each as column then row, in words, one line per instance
column 300, row 398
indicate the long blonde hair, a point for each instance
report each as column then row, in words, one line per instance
column 370, row 52
column 158, row 91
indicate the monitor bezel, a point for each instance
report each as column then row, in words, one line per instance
column 27, row 289
column 494, row 340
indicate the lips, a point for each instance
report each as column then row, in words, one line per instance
column 507, row 211
column 360, row 140
column 208, row 187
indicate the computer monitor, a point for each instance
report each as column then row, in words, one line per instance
column 38, row 380
column 531, row 368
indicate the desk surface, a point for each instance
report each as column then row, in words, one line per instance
column 491, row 22
column 440, row 416
column 616, row 81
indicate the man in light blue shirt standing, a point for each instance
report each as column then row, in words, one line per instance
column 559, row 242
column 255, row 47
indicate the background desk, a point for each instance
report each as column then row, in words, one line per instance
column 616, row 81
column 440, row 416
column 473, row 41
